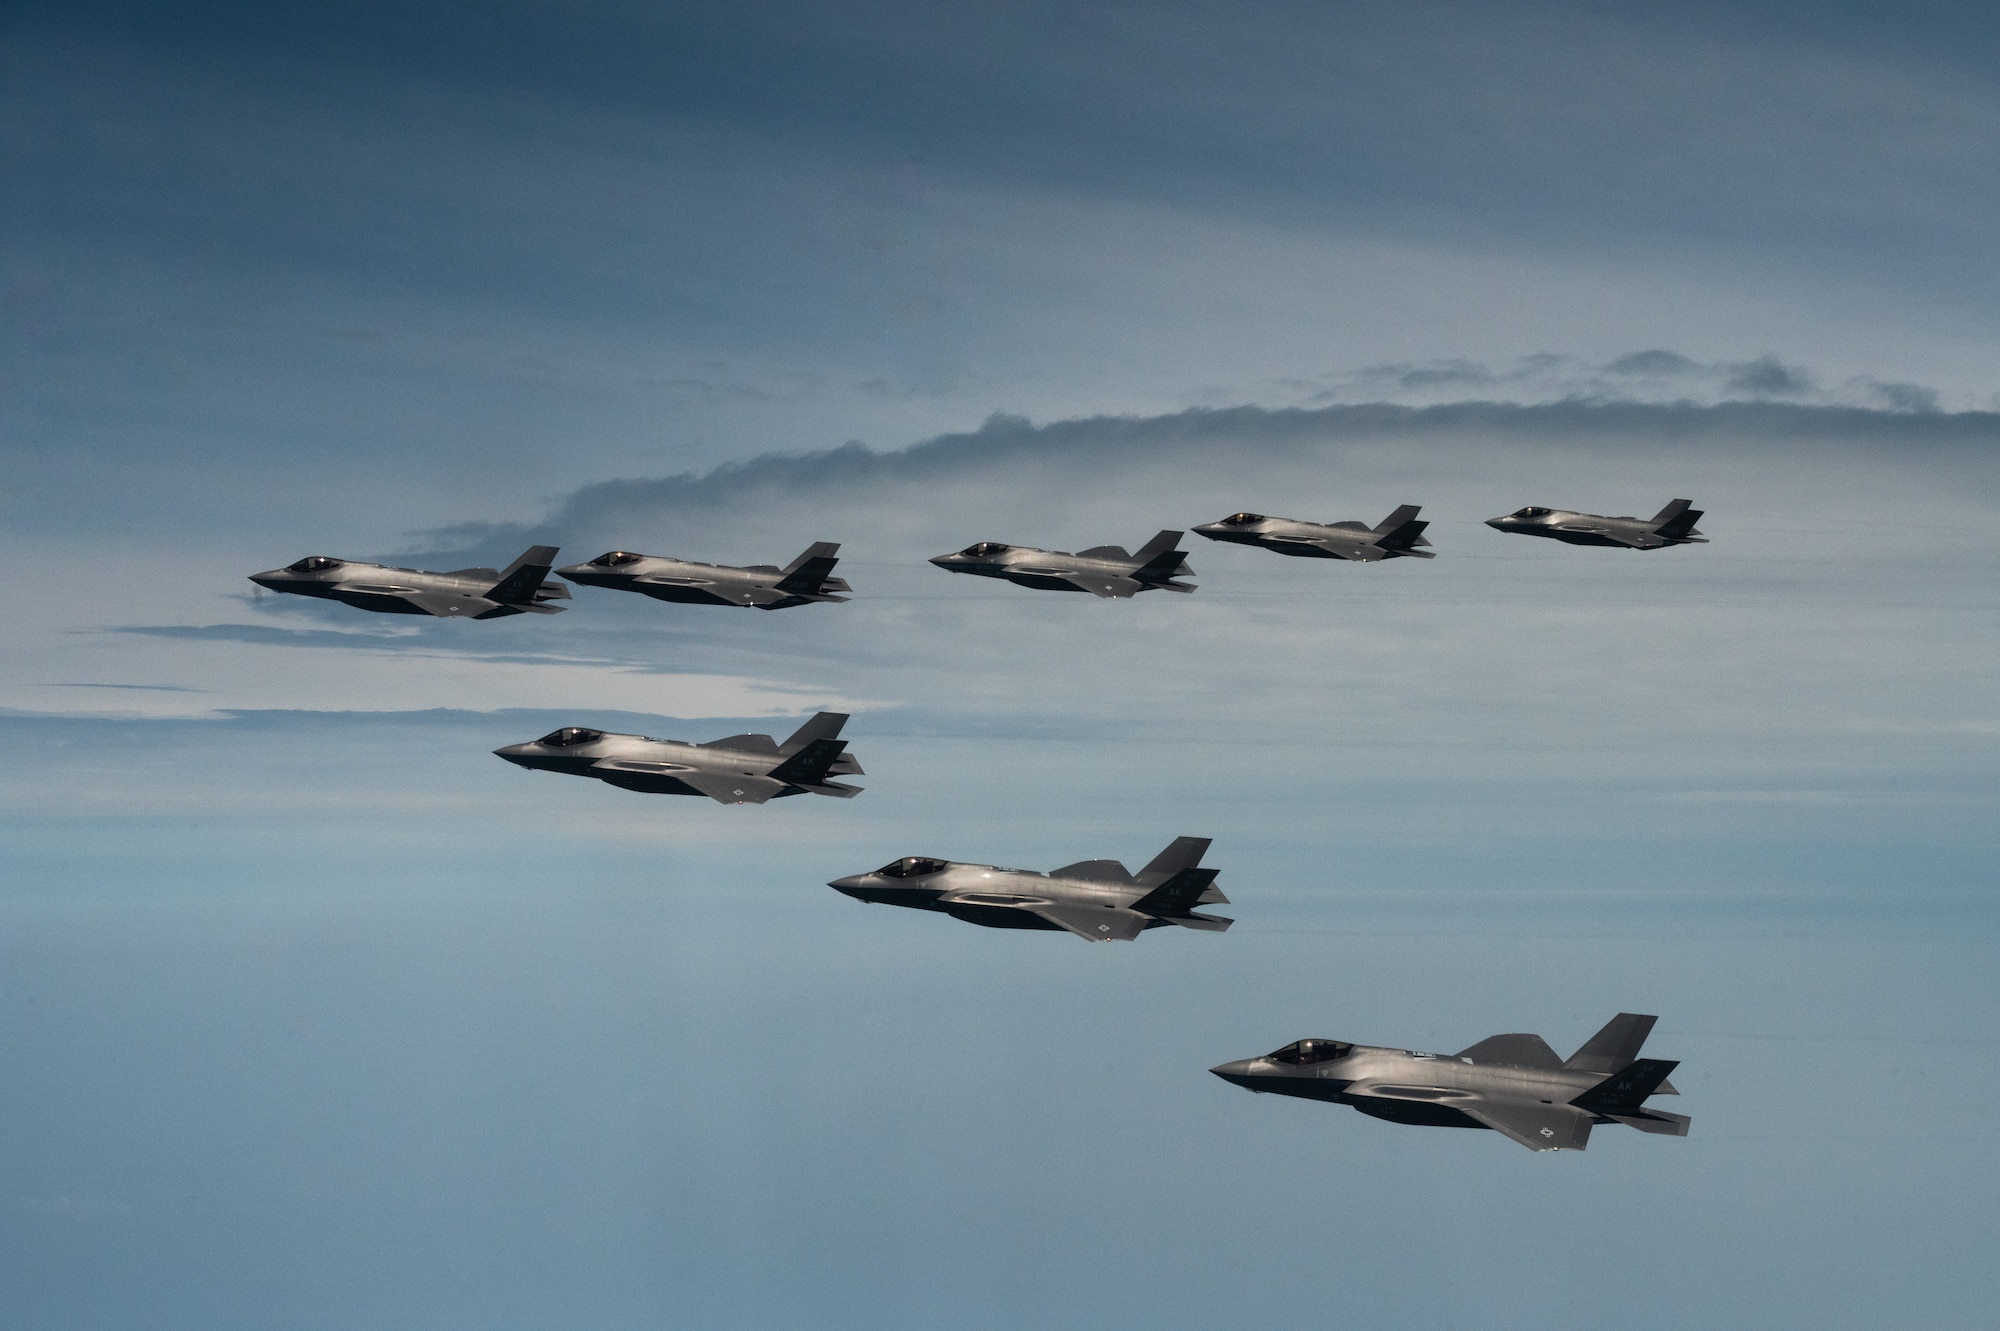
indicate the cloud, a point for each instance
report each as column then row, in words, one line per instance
column 1658, row 377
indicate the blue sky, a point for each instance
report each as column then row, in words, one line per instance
column 318, row 1016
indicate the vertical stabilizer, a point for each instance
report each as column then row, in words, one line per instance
column 1152, row 550
column 1184, row 853
column 1677, row 519
column 520, row 580
column 825, row 725
column 807, row 575
column 1613, row 1048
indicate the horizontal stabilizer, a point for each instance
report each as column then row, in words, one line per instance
column 1207, row 923
column 1518, row 1051
column 520, row 580
column 1654, row 1120
column 1178, row 895
column 1615, row 1046
column 1626, row 1090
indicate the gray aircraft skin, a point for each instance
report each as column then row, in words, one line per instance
column 1514, row 1084
column 742, row 769
column 1103, row 570
column 1396, row 536
column 1672, row 525
column 1097, row 900
column 467, row 593
column 763, row 586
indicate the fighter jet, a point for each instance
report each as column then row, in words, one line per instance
column 765, row 586
column 1672, row 525
column 742, row 769
column 466, row 593
column 1514, row 1084
column 1395, row 536
column 1102, row 570
column 1097, row 900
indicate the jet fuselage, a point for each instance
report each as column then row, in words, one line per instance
column 1396, row 538
column 461, row 594
column 689, row 582
column 1104, row 571
column 1514, row 1084
column 743, row 769
column 1094, row 899
column 1672, row 525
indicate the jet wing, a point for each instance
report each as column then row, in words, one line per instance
column 1637, row 540
column 728, row 788
column 1095, row 923
column 1537, row 1126
column 445, row 605
column 1103, row 587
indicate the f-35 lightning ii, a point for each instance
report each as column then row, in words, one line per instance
column 1514, row 1084
column 765, row 586
column 466, row 593
column 1672, row 525
column 1395, row 536
column 1097, row 900
column 742, row 769
column 1102, row 570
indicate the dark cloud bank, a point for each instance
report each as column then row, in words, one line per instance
column 1007, row 448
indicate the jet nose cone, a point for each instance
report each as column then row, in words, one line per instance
column 849, row 883
column 1496, row 523
column 513, row 753
column 1237, row 1072
column 944, row 561
column 268, row 579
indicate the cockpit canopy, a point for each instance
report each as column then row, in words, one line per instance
column 983, row 549
column 1242, row 519
column 1312, row 1051
column 912, row 866
column 1532, row 511
column 616, row 559
column 313, row 564
column 568, row 735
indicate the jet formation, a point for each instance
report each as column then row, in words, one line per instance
column 1513, row 1084
column 742, row 769
column 1395, row 537
column 1102, row 570
column 1097, row 900
column 1672, row 525
column 764, row 586
column 466, row 593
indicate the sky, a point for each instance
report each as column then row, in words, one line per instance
column 318, row 1016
